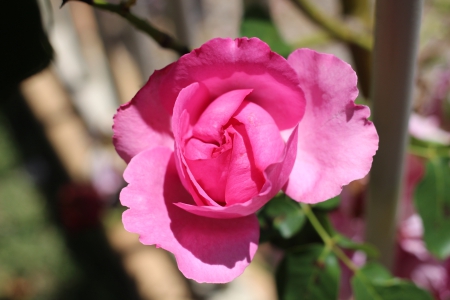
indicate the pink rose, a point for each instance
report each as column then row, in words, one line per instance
column 212, row 137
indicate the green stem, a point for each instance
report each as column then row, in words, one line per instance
column 326, row 238
column 334, row 26
column 422, row 152
column 123, row 9
column 429, row 153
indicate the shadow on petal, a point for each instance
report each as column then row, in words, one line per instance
column 216, row 242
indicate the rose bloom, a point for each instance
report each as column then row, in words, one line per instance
column 214, row 136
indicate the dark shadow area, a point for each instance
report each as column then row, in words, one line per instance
column 100, row 272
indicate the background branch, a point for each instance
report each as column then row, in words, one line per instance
column 163, row 39
column 334, row 27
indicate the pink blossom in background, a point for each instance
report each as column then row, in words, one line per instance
column 427, row 129
column 215, row 135
column 413, row 261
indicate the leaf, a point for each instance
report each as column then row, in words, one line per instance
column 328, row 205
column 257, row 23
column 301, row 275
column 284, row 214
column 347, row 243
column 432, row 201
column 429, row 145
column 374, row 282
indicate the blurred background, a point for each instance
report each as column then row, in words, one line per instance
column 64, row 74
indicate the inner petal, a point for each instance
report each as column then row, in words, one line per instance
column 209, row 165
column 265, row 141
column 209, row 126
column 244, row 180
column 197, row 149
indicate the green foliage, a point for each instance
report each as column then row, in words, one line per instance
column 310, row 268
column 435, row 146
column 347, row 243
column 257, row 23
column 328, row 205
column 8, row 157
column 282, row 215
column 32, row 249
column 432, row 201
column 373, row 282
column 266, row 31
column 310, row 272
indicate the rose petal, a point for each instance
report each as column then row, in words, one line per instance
column 336, row 141
column 217, row 114
column 192, row 100
column 206, row 249
column 275, row 175
column 223, row 65
column 244, row 180
column 211, row 174
column 143, row 123
column 264, row 136
column 236, row 178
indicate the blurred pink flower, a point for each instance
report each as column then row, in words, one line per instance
column 214, row 136
column 427, row 129
column 413, row 261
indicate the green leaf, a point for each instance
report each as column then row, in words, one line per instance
column 347, row 243
column 257, row 23
column 308, row 273
column 284, row 214
column 266, row 31
column 432, row 201
column 328, row 205
column 374, row 282
column 426, row 144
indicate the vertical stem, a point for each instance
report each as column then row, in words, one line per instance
column 396, row 40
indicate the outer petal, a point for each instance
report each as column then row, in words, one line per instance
column 223, row 65
column 143, row 123
column 336, row 141
column 206, row 249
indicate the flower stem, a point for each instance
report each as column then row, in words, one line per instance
column 428, row 152
column 326, row 238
